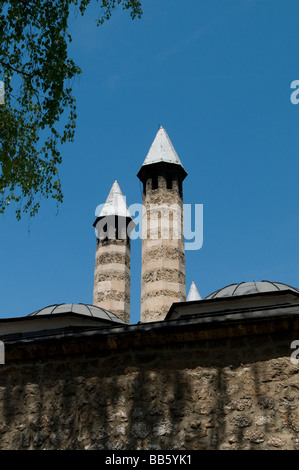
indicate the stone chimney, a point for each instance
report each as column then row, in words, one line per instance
column 113, row 253
column 163, row 255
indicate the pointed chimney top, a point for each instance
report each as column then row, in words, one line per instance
column 162, row 151
column 193, row 293
column 115, row 203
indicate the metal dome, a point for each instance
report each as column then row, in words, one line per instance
column 79, row 309
column 248, row 288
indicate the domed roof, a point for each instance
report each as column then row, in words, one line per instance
column 247, row 288
column 79, row 309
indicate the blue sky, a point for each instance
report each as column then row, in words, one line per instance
column 217, row 76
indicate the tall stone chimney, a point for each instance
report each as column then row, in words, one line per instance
column 163, row 255
column 113, row 253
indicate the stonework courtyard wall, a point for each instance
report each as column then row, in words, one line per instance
column 178, row 388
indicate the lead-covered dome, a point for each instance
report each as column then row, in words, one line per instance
column 248, row 288
column 90, row 311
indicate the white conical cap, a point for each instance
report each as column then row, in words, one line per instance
column 115, row 203
column 162, row 150
column 193, row 293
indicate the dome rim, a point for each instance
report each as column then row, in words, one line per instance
column 108, row 316
column 287, row 288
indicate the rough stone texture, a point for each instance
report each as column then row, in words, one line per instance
column 163, row 257
column 179, row 387
column 112, row 277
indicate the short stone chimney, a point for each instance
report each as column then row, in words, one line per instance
column 163, row 255
column 113, row 253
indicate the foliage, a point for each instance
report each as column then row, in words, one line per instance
column 38, row 75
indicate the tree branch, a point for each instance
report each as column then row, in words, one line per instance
column 22, row 72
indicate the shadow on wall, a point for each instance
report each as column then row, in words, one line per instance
column 224, row 394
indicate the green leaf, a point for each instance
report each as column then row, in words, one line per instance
column 38, row 75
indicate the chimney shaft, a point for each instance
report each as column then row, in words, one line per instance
column 163, row 255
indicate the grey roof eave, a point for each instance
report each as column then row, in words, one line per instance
column 222, row 320
column 154, row 168
column 50, row 316
column 229, row 300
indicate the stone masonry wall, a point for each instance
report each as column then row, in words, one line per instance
column 153, row 390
